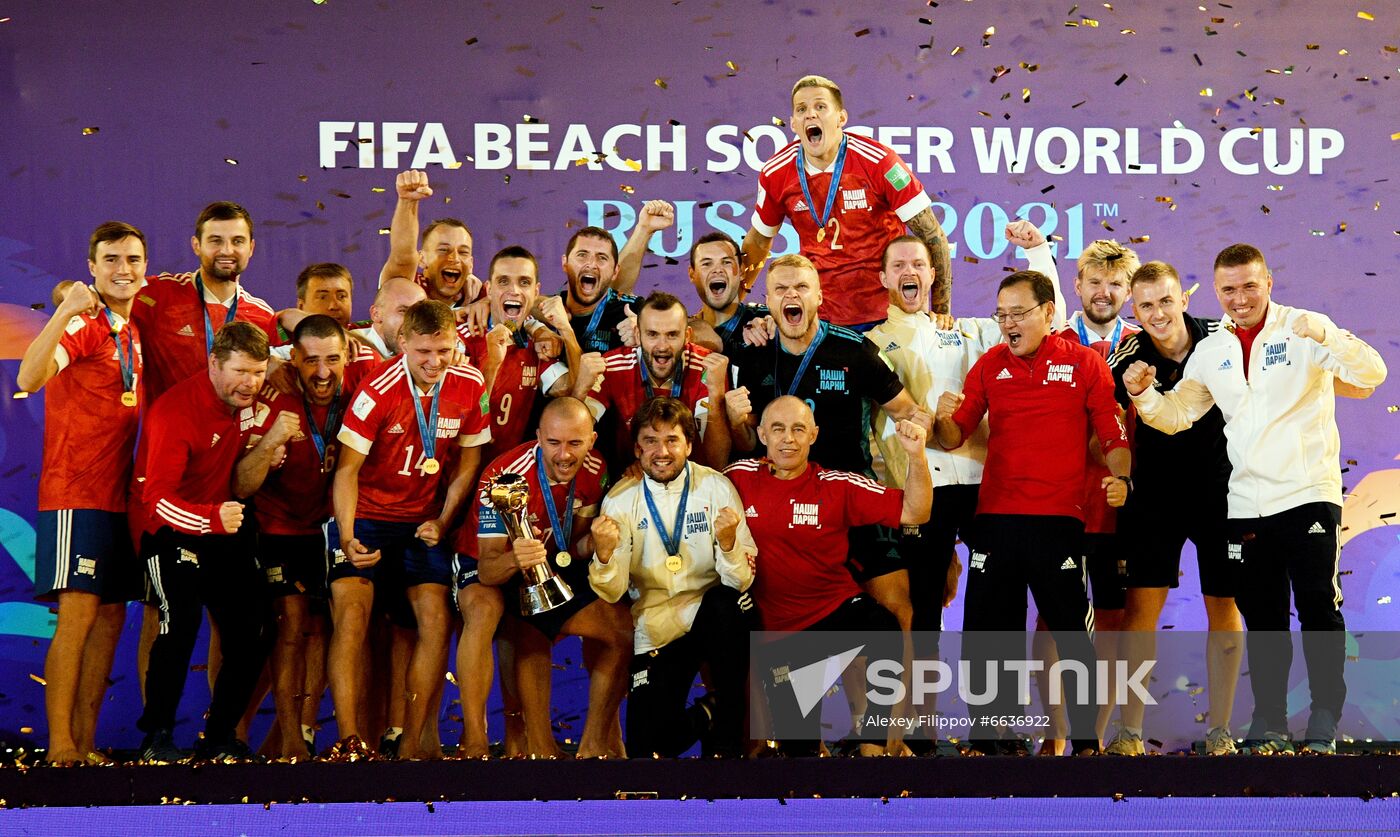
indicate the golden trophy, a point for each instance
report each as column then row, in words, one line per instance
column 541, row 589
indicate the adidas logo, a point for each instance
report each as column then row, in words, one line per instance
column 750, row 512
column 642, row 524
column 892, row 346
column 800, row 206
column 1226, row 364
column 1069, row 564
column 214, row 441
column 397, row 428
column 185, row 331
column 767, row 381
column 1317, row 529
column 1003, row 374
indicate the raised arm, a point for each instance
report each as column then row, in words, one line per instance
column 655, row 216
column 40, row 362
column 918, row 482
column 925, row 225
column 412, row 187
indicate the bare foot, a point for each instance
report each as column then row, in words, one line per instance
column 473, row 750
column 868, row 750
column 1052, row 747
column 66, row 757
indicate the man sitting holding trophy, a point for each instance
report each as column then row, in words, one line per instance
column 536, row 503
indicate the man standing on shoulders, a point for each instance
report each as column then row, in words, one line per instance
column 89, row 357
column 847, row 196
column 1271, row 369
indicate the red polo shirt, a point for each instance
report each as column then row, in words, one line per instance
column 1039, row 414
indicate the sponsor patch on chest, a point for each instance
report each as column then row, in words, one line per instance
column 1060, row 372
column 1276, row 354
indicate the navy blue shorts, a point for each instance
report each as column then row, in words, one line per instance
column 85, row 550
column 403, row 556
column 293, row 564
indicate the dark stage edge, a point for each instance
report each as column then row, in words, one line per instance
column 1364, row 777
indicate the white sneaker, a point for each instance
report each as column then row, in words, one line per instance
column 1125, row 744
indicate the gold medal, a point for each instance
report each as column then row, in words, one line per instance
column 673, row 563
column 563, row 558
column 128, row 399
column 821, row 234
column 430, row 466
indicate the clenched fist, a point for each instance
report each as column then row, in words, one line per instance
column 655, row 216
column 948, row 403
column 716, row 375
column 589, row 375
column 429, row 532
column 737, row 406
column 912, row 437
column 1309, row 327
column 284, row 427
column 231, row 516
column 77, row 299
column 498, row 341
column 1117, row 491
column 1024, row 234
column 1138, row 377
column 760, row 330
column 726, row 528
column 606, row 536
column 413, row 185
column 361, row 557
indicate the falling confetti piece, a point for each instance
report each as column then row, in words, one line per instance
column 20, row 394
column 455, row 164
column 529, row 120
column 634, row 165
column 1265, row 207
column 1139, row 239
column 1193, row 288
column 1206, row 91
column 1025, row 94
column 862, row 33
column 1163, row 199
column 1392, row 408
column 1365, row 15
column 1274, row 188
column 230, row 161
column 778, row 122
column 1121, row 79
column 956, row 50
column 1381, row 600
column 1342, row 52
column 1090, row 22
column 1395, row 136
column 303, row 178
column 1318, row 232
column 660, row 83
column 26, row 730
column 383, row 230
column 628, row 189
column 37, row 679
column 1312, row 46
column 87, row 132
column 971, row 260
column 470, row 41
column 319, row 2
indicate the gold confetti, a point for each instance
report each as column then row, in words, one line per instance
column 230, row 161
column 1391, row 409
column 968, row 259
column 26, row 730
column 1395, row 136
column 454, row 165
column 582, row 161
column 1206, row 91
column 1025, row 94
column 1389, row 48
column 1127, row 32
column 383, row 230
column 990, row 31
column 956, row 50
column 1139, row 239
column 628, row 189
column 87, row 132
column 22, row 394
column 303, row 178
column 528, row 119
column 1342, row 227
column 42, row 682
column 1274, row 188
column 1090, row 22
column 660, row 82
column 319, row 2
column 451, row 678
column 778, row 122
column 634, row 165
column 376, row 189
column 1312, row 46
column 1030, row 68
column 1278, row 101
column 1365, row 15
column 862, row 33
column 1163, row 199
column 1342, row 52
column 1381, row 600
column 1265, row 208
column 734, row 68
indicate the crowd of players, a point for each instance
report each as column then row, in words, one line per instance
column 696, row 472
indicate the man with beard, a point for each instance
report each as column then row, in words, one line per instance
column 665, row 363
column 677, row 536
column 841, row 376
column 411, row 450
column 292, row 507
column 178, row 314
column 595, row 307
column 391, row 301
column 1271, row 370
column 442, row 262
column 189, row 470
column 566, row 481
column 878, row 195
column 801, row 514
column 89, row 357
column 1043, row 395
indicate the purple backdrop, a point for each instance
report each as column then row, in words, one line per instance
column 263, row 103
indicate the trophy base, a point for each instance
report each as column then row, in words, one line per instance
column 544, row 596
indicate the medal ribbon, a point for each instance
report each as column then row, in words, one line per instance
column 564, row 528
column 318, row 437
column 428, row 436
column 204, row 309
column 801, row 367
column 595, row 319
column 669, row 539
column 1112, row 340
column 677, row 376
column 126, row 356
column 831, row 189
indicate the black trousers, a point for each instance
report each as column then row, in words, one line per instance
column 188, row 574
column 1010, row 553
column 1297, row 548
column 859, row 620
column 929, row 554
column 658, row 719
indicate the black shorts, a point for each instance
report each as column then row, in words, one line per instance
column 873, row 551
column 551, row 622
column 1157, row 538
column 293, row 564
column 928, row 554
column 1107, row 562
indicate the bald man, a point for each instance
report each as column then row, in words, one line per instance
column 394, row 297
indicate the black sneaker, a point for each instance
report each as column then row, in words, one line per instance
column 389, row 747
column 158, row 747
column 229, row 749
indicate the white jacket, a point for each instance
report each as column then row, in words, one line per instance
column 1280, row 424
column 930, row 362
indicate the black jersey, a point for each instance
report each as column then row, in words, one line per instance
column 731, row 331
column 1189, row 464
column 600, row 335
column 845, row 379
